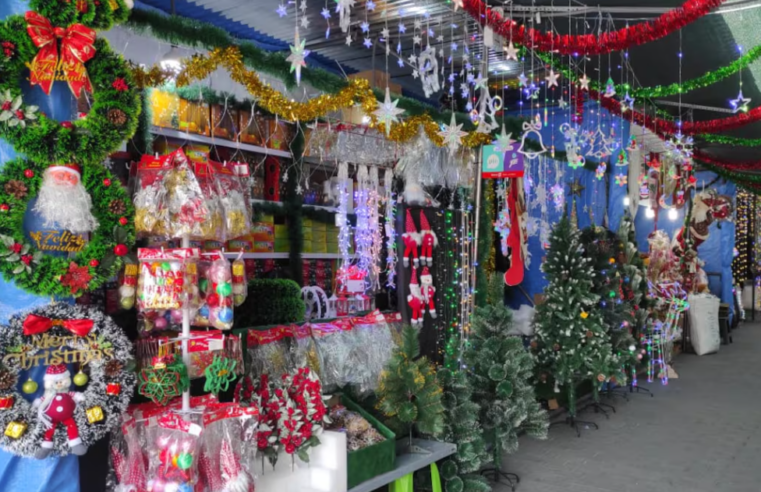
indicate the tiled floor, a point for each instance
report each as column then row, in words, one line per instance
column 701, row 433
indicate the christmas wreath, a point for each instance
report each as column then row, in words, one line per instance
column 60, row 420
column 95, row 262
column 56, row 41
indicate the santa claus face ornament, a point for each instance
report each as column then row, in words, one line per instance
column 63, row 203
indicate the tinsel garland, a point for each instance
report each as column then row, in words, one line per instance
column 728, row 140
column 748, row 181
column 95, row 394
column 97, row 14
column 702, row 157
column 486, row 251
column 705, row 80
column 591, row 44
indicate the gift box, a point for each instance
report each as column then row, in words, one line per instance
column 253, row 128
column 224, row 121
column 278, row 134
column 165, row 109
column 195, row 117
column 14, row 429
column 374, row 460
column 281, row 231
column 283, row 246
column 6, row 402
column 95, row 414
column 264, row 246
column 113, row 389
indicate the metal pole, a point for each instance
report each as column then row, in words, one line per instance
column 754, row 269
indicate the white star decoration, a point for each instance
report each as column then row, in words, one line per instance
column 739, row 104
column 584, row 82
column 452, row 135
column 562, row 104
column 418, row 24
column 511, row 52
column 481, row 82
column 385, row 34
column 387, row 113
column 503, row 142
column 297, row 56
column 416, row 39
column 348, row 39
column 522, row 79
column 552, row 79
column 305, row 22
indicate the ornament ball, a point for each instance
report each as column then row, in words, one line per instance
column 225, row 315
column 120, row 249
column 94, row 263
column 28, row 173
column 80, row 378
column 224, row 289
column 106, row 182
column 160, row 323
column 29, row 387
column 123, row 221
column 127, row 302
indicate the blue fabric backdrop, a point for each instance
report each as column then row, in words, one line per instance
column 51, row 474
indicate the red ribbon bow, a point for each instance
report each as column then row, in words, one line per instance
column 76, row 49
column 34, row 325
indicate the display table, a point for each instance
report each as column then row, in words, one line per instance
column 407, row 463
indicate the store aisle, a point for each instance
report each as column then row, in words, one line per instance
column 701, row 433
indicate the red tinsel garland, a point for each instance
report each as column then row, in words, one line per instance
column 591, row 44
column 733, row 166
column 578, row 106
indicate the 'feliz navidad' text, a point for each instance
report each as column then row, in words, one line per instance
column 53, row 350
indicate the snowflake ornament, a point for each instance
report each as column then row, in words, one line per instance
column 557, row 191
column 387, row 113
column 621, row 180
column 297, row 56
column 452, row 135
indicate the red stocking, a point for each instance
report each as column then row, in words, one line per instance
column 514, row 275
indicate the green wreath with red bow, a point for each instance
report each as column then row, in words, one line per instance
column 56, row 40
column 101, row 258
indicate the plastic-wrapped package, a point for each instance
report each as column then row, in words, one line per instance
column 172, row 448
column 240, row 285
column 215, row 287
column 303, row 349
column 167, row 278
column 213, row 227
column 228, row 449
column 395, row 325
column 336, row 344
column 235, row 201
column 188, row 209
column 267, row 352
column 374, row 348
column 127, row 459
column 151, row 214
column 127, row 286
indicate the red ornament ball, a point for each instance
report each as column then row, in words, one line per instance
column 120, row 250
column 28, row 173
column 94, row 263
column 106, row 182
column 67, row 124
column 212, row 300
column 4, row 207
column 123, row 221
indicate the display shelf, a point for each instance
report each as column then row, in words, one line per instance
column 304, row 205
column 192, row 137
column 283, row 256
column 408, row 462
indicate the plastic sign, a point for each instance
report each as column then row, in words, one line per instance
column 496, row 165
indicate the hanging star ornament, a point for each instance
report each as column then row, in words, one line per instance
column 740, row 104
column 552, row 79
column 621, row 179
column 368, row 44
column 627, row 103
column 387, row 113
column 297, row 56
column 511, row 52
column 584, row 82
column 577, row 188
column 504, row 141
column 562, row 103
column 522, row 80
column 282, row 10
column 452, row 135
column 348, row 39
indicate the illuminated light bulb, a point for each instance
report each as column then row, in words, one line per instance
column 673, row 214
column 649, row 213
column 171, row 60
column 365, row 120
column 627, row 201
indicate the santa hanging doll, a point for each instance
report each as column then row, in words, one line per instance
column 415, row 300
column 428, row 291
column 56, row 407
column 428, row 239
column 63, row 202
column 411, row 240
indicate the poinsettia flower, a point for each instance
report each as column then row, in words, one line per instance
column 8, row 105
column 21, row 116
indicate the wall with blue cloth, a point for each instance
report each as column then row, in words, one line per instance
column 51, row 474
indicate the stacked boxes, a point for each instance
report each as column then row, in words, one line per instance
column 282, row 241
column 263, row 234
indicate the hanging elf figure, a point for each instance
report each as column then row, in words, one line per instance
column 415, row 300
column 411, row 239
column 428, row 291
column 429, row 240
column 56, row 407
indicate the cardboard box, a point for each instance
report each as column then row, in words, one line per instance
column 282, row 246
column 253, row 128
column 264, row 246
column 165, row 109
column 281, row 231
column 279, row 134
column 195, row 117
column 224, row 122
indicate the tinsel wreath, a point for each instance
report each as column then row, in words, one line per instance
column 590, row 44
column 99, row 260
column 88, row 140
column 106, row 332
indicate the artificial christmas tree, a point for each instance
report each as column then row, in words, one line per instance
column 499, row 369
column 571, row 341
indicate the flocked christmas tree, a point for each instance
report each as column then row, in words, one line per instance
column 500, row 368
column 461, row 427
column 409, row 393
column 606, row 252
column 571, row 342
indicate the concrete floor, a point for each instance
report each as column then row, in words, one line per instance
column 700, row 433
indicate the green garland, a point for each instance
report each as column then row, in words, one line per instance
column 85, row 141
column 43, row 273
column 98, row 14
column 727, row 140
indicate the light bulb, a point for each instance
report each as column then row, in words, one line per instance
column 627, row 201
column 673, row 214
column 649, row 213
column 171, row 60
column 365, row 120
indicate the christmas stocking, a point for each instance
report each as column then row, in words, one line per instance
column 411, row 239
column 514, row 275
column 429, row 240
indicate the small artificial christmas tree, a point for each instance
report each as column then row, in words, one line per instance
column 571, row 341
column 499, row 368
column 461, row 427
column 408, row 393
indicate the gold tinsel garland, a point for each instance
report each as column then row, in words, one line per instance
column 153, row 77
column 358, row 92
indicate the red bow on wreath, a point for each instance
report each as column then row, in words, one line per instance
column 76, row 49
column 34, row 325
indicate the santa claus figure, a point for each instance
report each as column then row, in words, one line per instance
column 411, row 239
column 56, row 408
column 415, row 300
column 428, row 291
column 62, row 202
column 429, row 240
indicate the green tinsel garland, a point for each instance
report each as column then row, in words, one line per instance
column 728, row 140
column 44, row 278
column 98, row 14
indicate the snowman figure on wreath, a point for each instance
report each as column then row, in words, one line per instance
column 56, row 407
